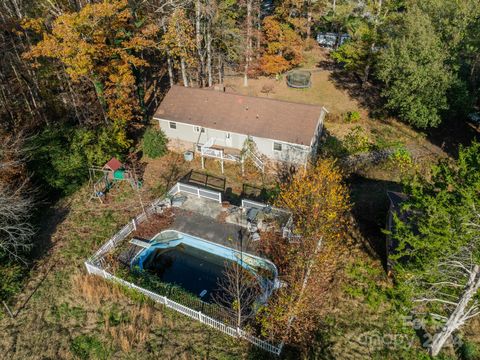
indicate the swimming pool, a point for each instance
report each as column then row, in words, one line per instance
column 196, row 264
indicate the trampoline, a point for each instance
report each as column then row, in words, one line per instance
column 299, row 79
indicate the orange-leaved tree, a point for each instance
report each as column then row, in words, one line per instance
column 101, row 43
column 283, row 47
column 319, row 203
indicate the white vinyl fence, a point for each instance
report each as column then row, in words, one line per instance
column 193, row 190
column 253, row 204
column 94, row 266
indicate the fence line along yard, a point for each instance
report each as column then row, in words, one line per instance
column 94, row 266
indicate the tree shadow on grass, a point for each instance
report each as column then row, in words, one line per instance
column 452, row 133
column 370, row 207
column 47, row 222
column 368, row 96
column 320, row 348
column 37, row 262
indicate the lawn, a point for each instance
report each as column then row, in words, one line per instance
column 339, row 95
column 73, row 315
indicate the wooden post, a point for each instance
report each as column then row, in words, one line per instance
column 8, row 310
column 203, row 163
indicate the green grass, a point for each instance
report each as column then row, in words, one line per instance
column 60, row 321
column 87, row 347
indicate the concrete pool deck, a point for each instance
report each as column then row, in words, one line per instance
column 208, row 228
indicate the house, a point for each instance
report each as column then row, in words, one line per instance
column 229, row 126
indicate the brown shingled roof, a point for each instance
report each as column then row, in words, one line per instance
column 255, row 116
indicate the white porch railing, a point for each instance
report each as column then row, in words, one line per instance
column 256, row 160
column 206, row 150
column 212, row 152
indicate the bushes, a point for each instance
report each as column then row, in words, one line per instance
column 12, row 276
column 88, row 347
column 352, row 116
column 401, row 159
column 468, row 351
column 357, row 141
column 60, row 156
column 154, row 143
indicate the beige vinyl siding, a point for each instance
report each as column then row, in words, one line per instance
column 185, row 132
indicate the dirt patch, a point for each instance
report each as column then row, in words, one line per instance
column 155, row 224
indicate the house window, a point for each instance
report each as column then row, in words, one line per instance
column 228, row 136
column 277, row 146
column 173, row 125
column 197, row 129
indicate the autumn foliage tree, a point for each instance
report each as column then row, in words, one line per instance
column 178, row 42
column 283, row 47
column 319, row 203
column 102, row 44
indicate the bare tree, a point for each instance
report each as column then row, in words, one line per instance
column 451, row 297
column 238, row 290
column 16, row 202
column 16, row 231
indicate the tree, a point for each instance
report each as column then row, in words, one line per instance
column 178, row 42
column 359, row 53
column 283, row 47
column 60, row 156
column 238, row 289
column 101, row 43
column 154, row 143
column 414, row 69
column 16, row 201
column 226, row 35
column 319, row 202
column 16, row 231
column 438, row 256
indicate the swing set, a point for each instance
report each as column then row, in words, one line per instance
column 103, row 179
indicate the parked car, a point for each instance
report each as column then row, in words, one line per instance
column 474, row 118
column 331, row 40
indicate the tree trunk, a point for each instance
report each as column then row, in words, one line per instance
column 170, row 70
column 220, row 69
column 169, row 59
column 259, row 28
column 309, row 19
column 209, row 55
column 459, row 315
column 201, row 57
column 184, row 72
column 248, row 42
